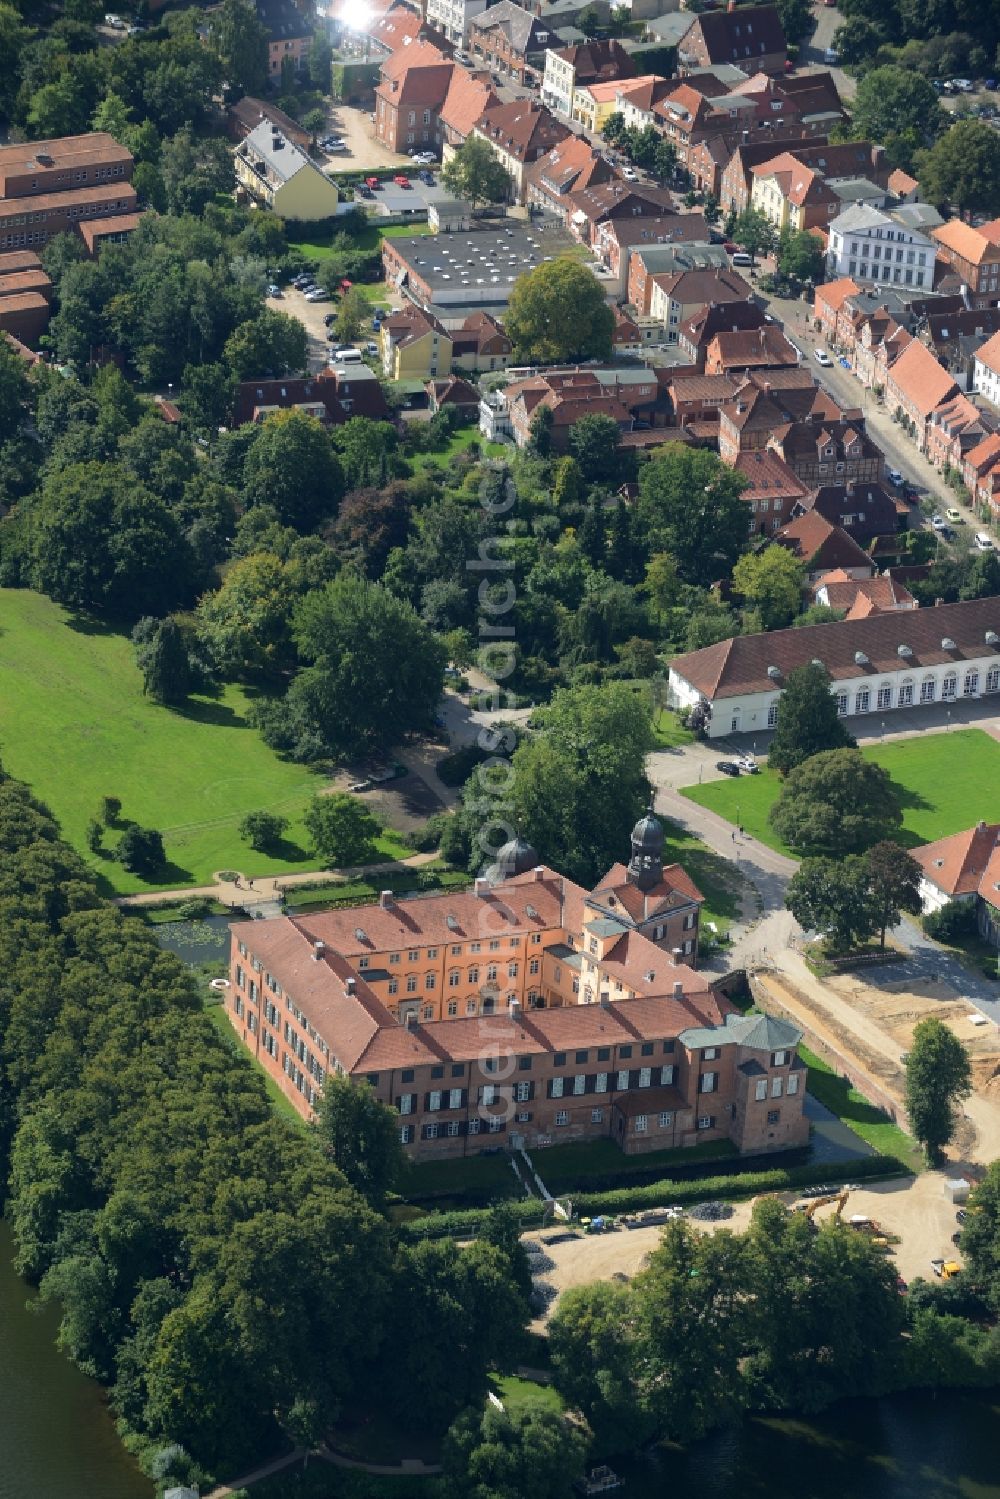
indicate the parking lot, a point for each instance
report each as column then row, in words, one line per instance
column 363, row 151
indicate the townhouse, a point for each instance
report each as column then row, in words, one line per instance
column 333, row 396
column 772, row 491
column 974, row 254
column 819, row 451
column 806, row 187
column 881, row 245
column 915, row 385
column 415, row 345
column 636, row 99
column 525, row 1012
column 570, row 68
column 955, row 338
column 759, row 349
column 510, row 40
column 412, row 89
column 864, row 510
column 696, row 332
column 586, row 208
column 595, row 103
column 647, row 261
column 981, row 472
column 762, row 406
column 470, row 94
column 964, row 868
column 749, row 36
column 676, row 296
column 289, row 38
column 520, row 134
column 571, row 166
column 454, row 18
column 986, row 370
column 52, row 187
column 615, row 236
column 884, row 663
column 279, row 175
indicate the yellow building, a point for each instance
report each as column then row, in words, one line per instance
column 280, row 176
column 415, row 346
column 594, row 103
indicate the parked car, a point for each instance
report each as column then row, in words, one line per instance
column 630, row 174
column 301, row 280
column 274, row 291
column 424, row 157
column 822, row 358
column 371, row 348
column 400, row 180
column 748, row 765
column 984, row 543
column 946, row 533
column 364, row 191
column 938, row 522
column 373, row 182
column 319, row 295
column 329, row 318
column 115, row 22
column 963, row 85
column 894, row 476
column 376, row 323
column 728, row 767
column 426, row 177
column 955, row 516
column 335, row 148
column 844, row 362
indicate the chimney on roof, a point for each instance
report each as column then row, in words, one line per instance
column 410, row 1020
column 319, row 949
column 514, row 1009
column 482, row 888
column 385, row 899
column 678, row 989
column 539, row 872
column 350, row 984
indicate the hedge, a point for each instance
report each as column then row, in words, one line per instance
column 530, row 1212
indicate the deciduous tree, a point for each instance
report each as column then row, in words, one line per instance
column 807, row 720
column 477, row 174
column 938, row 1077
column 772, row 581
column 894, row 876
column 690, row 506
column 962, row 169
column 360, row 1134
column 342, row 829
column 836, row 803
column 557, row 312
column 292, row 466
column 262, row 830
column 493, row 1454
column 834, row 898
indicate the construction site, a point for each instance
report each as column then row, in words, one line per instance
column 861, row 1025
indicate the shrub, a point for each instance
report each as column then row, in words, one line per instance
column 95, row 835
column 110, row 810
column 262, row 830
column 194, row 910
column 456, row 768
column 955, row 920
column 140, row 850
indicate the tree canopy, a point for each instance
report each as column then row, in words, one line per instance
column 475, row 172
column 557, row 312
column 938, row 1077
column 836, row 803
column 689, row 505
column 808, row 722
column 962, row 169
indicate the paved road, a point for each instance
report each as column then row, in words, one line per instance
column 811, row 56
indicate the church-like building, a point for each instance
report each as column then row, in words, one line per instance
column 526, row 1008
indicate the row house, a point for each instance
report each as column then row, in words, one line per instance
column 750, row 37
column 568, row 69
column 736, row 179
column 25, row 296
column 805, row 188
column 696, row 397
column 771, row 492
column 616, row 234
column 915, row 386
column 974, row 254
column 636, row 99
column 878, row 342
column 955, row 339
column 470, row 94
column 647, row 261
column 588, row 207
column 979, row 464
column 760, row 407
column 510, row 40
column 954, row 428
column 571, row 166
column 828, row 299
column 520, row 134
column 764, row 348
column 479, row 343
column 986, row 371
column 289, row 38
column 595, row 103
column 864, row 511
column 626, row 395
column 822, row 547
column 454, row 18
column 823, row 452
column 696, row 332
column 891, row 660
column 408, row 100
column 676, row 296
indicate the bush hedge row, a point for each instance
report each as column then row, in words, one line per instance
column 467, row 1222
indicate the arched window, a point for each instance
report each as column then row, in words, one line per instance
column 772, row 714
column 927, row 689
column 884, row 698
column 949, row 687
column 905, row 699
column 862, row 700
column 993, row 677
column 970, row 687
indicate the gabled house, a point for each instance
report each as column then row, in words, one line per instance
column 764, row 348
column 570, row 68
column 974, row 254
column 510, row 40
column 281, row 177
column 857, row 598
column 571, row 165
column 824, row 452
column 519, row 134
column 772, row 493
column 415, row 345
column 955, row 338
column 981, row 471
column 410, row 95
column 863, row 510
column 954, row 428
column 594, row 103
column 334, row 396
column 915, row 385
column 986, row 370
column 696, row 332
column 827, row 302
column 821, row 547
column 749, row 36
column 676, row 296
column 748, row 420
column 588, row 207
column 805, row 187
column 289, row 37
column 964, row 868
column 637, row 98
column 615, row 236
column 470, row 94
column 480, row 343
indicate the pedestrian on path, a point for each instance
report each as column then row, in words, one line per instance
column 236, row 881
column 250, row 884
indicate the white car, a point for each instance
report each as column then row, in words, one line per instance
column 984, row 543
column 938, row 523
column 630, row 174
column 894, row 476
column 317, row 296
column 423, row 158
column 115, row 22
column 964, row 85
column 822, row 358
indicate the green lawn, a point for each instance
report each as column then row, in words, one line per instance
column 858, row 1114
column 715, row 877
column 946, row 782
column 668, row 731
column 522, row 1395
column 216, row 1012
column 74, row 725
column 457, row 443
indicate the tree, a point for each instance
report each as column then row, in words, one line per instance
column 580, row 784
column 162, row 656
column 194, row 169
column 246, row 627
column 353, row 314
column 263, row 830
column 529, row 1454
column 241, row 41
column 772, row 581
column 836, row 803
column 755, row 233
column 594, row 443
column 566, row 480
column 589, row 20
column 376, row 672
column 897, row 108
column 664, row 164
column 962, row 169
column 360, row 1134
column 477, row 174
column 834, row 897
column 292, row 466
column 270, row 342
column 613, row 127
column 938, row 1077
column 370, row 522
column 557, row 312
column 207, row 392
column 95, row 835
column 342, row 829
column 140, row 850
column 894, row 876
column 111, row 808
column 796, row 17
column 807, row 720
column 981, row 1235
column 800, row 254
column 689, row 505
column 540, row 432
column 320, row 59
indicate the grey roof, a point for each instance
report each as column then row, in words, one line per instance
column 671, row 28
column 606, row 927
column 917, row 216
column 682, row 257
column 856, row 189
column 282, row 20
column 283, row 157
column 515, row 22
column 862, row 216
column 757, row 1032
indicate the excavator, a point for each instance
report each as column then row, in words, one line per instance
column 840, row 1198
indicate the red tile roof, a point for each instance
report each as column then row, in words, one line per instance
column 469, row 95
column 957, row 864
column 920, row 379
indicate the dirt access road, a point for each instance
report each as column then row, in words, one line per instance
column 363, row 152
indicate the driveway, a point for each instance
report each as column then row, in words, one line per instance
column 310, row 315
column 811, row 52
column 363, row 151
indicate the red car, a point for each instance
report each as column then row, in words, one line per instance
column 729, row 247
column 401, row 181
column 373, row 182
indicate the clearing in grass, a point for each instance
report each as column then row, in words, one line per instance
column 945, row 781
column 75, row 726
